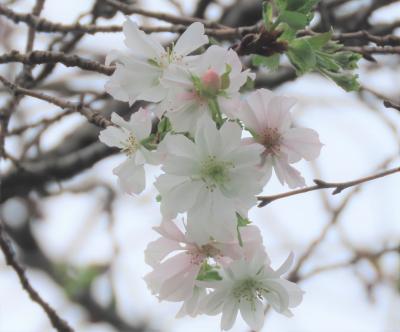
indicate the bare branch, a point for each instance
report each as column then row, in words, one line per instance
column 41, row 57
column 320, row 184
column 58, row 323
column 92, row 116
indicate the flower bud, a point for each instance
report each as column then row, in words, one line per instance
column 211, row 81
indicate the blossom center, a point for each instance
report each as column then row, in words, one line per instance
column 271, row 139
column 131, row 145
column 249, row 290
column 214, row 172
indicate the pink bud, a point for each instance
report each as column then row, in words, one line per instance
column 211, row 81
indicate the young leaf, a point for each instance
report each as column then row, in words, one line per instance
column 301, row 55
column 272, row 62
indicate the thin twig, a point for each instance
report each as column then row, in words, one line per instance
column 58, row 323
column 92, row 116
column 320, row 184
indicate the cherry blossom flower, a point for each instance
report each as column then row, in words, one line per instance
column 173, row 276
column 247, row 286
column 212, row 179
column 268, row 118
column 202, row 89
column 137, row 74
column 128, row 136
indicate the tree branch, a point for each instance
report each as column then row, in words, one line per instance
column 57, row 322
column 320, row 184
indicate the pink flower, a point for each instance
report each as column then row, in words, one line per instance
column 177, row 261
column 268, row 118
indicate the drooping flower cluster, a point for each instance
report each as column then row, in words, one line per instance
column 213, row 261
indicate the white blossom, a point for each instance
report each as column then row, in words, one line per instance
column 268, row 118
column 247, row 286
column 213, row 81
column 137, row 74
column 128, row 136
column 212, row 179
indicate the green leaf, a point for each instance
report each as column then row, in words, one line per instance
column 320, row 40
column 301, row 55
column 346, row 80
column 225, row 82
column 267, row 15
column 272, row 62
column 300, row 6
column 208, row 273
column 294, row 19
column 241, row 222
column 158, row 198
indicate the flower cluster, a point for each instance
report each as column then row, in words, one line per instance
column 208, row 255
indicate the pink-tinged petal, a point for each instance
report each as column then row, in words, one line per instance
column 113, row 136
column 166, row 270
column 140, row 123
column 229, row 313
column 252, row 313
column 301, row 143
column 278, row 114
column 131, row 177
column 142, row 45
column 258, row 102
column 157, row 250
column 231, row 106
column 180, row 287
column 191, row 39
column 169, row 230
column 287, row 174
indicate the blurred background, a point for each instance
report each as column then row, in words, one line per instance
column 82, row 239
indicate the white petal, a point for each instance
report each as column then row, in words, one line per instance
column 231, row 135
column 229, row 313
column 253, row 313
column 191, row 39
column 118, row 120
column 180, row 145
column 207, row 138
column 113, row 136
column 141, row 45
column 213, row 303
column 140, row 123
column 286, row 264
column 131, row 177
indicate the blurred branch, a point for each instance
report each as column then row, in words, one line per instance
column 41, row 57
column 93, row 117
column 320, row 184
column 58, row 323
